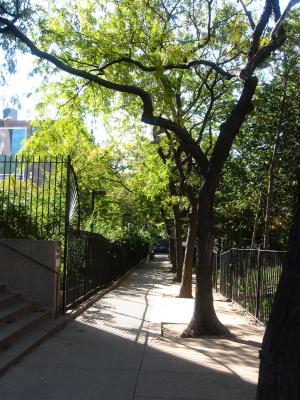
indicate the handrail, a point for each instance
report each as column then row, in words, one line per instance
column 255, row 249
column 29, row 258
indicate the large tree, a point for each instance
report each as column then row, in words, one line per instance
column 139, row 48
column 279, row 358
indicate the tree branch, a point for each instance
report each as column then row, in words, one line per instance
column 148, row 117
column 229, row 130
column 261, row 55
column 188, row 143
column 285, row 13
column 167, row 67
column 248, row 14
column 258, row 31
column 130, row 89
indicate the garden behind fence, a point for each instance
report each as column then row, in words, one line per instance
column 249, row 277
column 40, row 199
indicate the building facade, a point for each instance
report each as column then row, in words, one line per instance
column 12, row 132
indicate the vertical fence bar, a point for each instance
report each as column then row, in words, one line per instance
column 86, row 266
column 8, row 193
column 20, row 191
column 49, row 228
column 26, row 181
column 65, row 268
column 217, row 270
column 258, row 283
column 37, row 191
column 54, row 200
column 231, row 273
column 3, row 185
column 15, row 182
column 60, row 192
column 31, row 191
column 43, row 194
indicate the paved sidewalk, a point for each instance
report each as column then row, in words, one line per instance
column 115, row 350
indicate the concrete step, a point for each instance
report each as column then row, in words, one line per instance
column 11, row 332
column 30, row 340
column 7, row 299
column 12, row 313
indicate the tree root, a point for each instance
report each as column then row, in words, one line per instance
column 215, row 329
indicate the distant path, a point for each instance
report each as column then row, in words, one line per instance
column 115, row 350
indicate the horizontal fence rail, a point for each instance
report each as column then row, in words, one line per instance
column 250, row 278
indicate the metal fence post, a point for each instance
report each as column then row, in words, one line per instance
column 67, row 211
column 218, row 269
column 258, row 284
column 231, row 272
column 221, row 274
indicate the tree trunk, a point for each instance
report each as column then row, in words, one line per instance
column 178, row 243
column 272, row 171
column 186, row 282
column 256, row 219
column 169, row 226
column 204, row 320
column 172, row 251
column 279, row 370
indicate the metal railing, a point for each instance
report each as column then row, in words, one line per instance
column 93, row 262
column 250, row 278
column 39, row 199
column 33, row 193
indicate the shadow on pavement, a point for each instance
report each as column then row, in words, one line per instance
column 114, row 351
column 85, row 362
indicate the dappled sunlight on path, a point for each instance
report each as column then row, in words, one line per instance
column 115, row 350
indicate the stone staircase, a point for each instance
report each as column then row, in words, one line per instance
column 23, row 325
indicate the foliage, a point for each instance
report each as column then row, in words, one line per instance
column 15, row 220
column 246, row 172
column 127, row 172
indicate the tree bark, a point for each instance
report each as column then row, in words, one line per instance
column 169, row 226
column 172, row 253
column 178, row 243
column 279, row 370
column 204, row 320
column 187, row 272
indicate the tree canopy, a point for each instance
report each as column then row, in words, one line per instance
column 188, row 68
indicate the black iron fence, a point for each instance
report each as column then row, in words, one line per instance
column 93, row 262
column 250, row 278
column 39, row 199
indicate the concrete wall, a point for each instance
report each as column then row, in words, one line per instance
column 28, row 277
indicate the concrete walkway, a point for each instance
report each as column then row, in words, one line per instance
column 115, row 350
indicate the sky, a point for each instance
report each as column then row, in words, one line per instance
column 23, row 86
